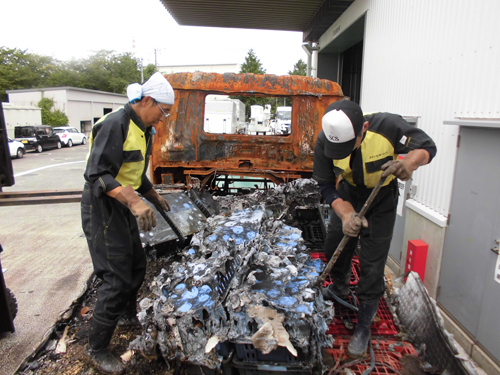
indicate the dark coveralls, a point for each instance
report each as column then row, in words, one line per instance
column 120, row 146
column 388, row 135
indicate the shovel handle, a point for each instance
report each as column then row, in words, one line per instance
column 340, row 247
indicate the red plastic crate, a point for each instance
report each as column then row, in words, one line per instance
column 388, row 354
column 354, row 272
column 383, row 324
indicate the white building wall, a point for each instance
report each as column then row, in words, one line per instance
column 20, row 115
column 78, row 104
column 437, row 61
column 60, row 98
column 25, row 98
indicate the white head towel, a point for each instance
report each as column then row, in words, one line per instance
column 156, row 86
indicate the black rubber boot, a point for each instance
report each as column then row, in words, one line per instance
column 97, row 351
column 129, row 319
column 359, row 342
column 339, row 286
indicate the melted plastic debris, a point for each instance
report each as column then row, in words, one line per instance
column 245, row 278
column 421, row 320
column 160, row 234
column 204, row 202
column 184, row 214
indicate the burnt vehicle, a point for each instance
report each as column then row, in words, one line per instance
column 220, row 149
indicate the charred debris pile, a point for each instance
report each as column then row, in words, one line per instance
column 234, row 295
column 243, row 287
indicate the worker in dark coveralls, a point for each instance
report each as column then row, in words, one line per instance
column 362, row 149
column 113, row 214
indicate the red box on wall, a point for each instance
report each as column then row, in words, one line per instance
column 416, row 257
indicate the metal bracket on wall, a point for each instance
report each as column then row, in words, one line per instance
column 495, row 249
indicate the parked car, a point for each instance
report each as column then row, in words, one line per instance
column 16, row 148
column 37, row 137
column 70, row 136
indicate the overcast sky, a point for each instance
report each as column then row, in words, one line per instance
column 76, row 29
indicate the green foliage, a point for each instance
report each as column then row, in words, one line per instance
column 251, row 65
column 299, row 69
column 104, row 71
column 54, row 118
column 149, row 71
column 20, row 70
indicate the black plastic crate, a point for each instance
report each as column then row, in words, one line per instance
column 249, row 353
column 257, row 368
column 313, row 235
column 306, row 214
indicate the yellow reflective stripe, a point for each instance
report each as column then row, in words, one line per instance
column 376, row 147
column 131, row 173
column 343, row 164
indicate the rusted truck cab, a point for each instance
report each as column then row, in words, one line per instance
column 183, row 149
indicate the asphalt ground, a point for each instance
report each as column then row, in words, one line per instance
column 45, row 260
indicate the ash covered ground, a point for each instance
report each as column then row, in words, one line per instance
column 245, row 278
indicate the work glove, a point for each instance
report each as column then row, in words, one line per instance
column 146, row 217
column 158, row 201
column 351, row 223
column 398, row 168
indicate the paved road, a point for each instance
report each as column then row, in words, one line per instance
column 45, row 253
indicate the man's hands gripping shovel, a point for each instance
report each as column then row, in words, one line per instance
column 351, row 225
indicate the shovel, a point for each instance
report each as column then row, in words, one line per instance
column 346, row 238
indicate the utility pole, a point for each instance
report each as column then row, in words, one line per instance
column 141, row 68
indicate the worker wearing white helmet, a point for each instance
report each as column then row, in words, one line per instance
column 113, row 214
column 361, row 149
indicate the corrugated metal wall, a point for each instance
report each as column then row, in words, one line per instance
column 438, row 60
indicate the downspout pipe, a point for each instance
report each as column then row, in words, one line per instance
column 311, row 49
column 306, row 47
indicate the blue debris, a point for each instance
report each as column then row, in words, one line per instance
column 186, row 307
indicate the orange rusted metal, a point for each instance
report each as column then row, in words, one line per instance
column 182, row 149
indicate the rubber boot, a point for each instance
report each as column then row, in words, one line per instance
column 97, row 351
column 339, row 287
column 359, row 342
column 129, row 318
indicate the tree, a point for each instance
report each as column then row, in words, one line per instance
column 106, row 71
column 299, row 69
column 252, row 64
column 20, row 70
column 54, row 118
column 149, row 71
